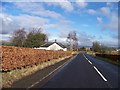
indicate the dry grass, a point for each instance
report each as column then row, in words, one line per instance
column 117, row 62
column 75, row 52
column 9, row 77
column 0, row 81
column 91, row 53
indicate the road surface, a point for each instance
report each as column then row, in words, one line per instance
column 85, row 71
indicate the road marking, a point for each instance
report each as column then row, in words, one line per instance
column 87, row 59
column 85, row 56
column 96, row 69
column 90, row 62
column 50, row 73
column 100, row 74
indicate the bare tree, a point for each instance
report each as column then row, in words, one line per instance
column 96, row 46
column 72, row 40
column 18, row 37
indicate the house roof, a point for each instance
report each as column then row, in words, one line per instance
column 50, row 43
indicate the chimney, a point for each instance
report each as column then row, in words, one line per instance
column 55, row 40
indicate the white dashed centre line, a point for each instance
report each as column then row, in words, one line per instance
column 100, row 74
column 96, row 69
column 87, row 59
column 85, row 56
column 90, row 62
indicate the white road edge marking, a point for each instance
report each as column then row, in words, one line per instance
column 50, row 73
column 100, row 74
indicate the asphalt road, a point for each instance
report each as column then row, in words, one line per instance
column 85, row 71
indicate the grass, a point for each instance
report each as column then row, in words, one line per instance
column 0, row 81
column 117, row 63
column 9, row 77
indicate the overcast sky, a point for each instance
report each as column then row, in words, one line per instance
column 92, row 21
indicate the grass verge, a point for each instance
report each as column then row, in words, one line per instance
column 117, row 63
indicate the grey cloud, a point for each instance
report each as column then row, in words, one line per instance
column 84, row 39
column 112, row 43
column 91, row 11
column 7, row 25
column 105, row 10
column 38, row 9
column 64, row 4
column 100, row 20
column 11, row 23
column 115, row 36
column 113, row 22
column 64, row 25
column 112, row 17
column 81, row 3
column 109, row 14
column 5, row 37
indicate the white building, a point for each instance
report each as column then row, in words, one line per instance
column 53, row 46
